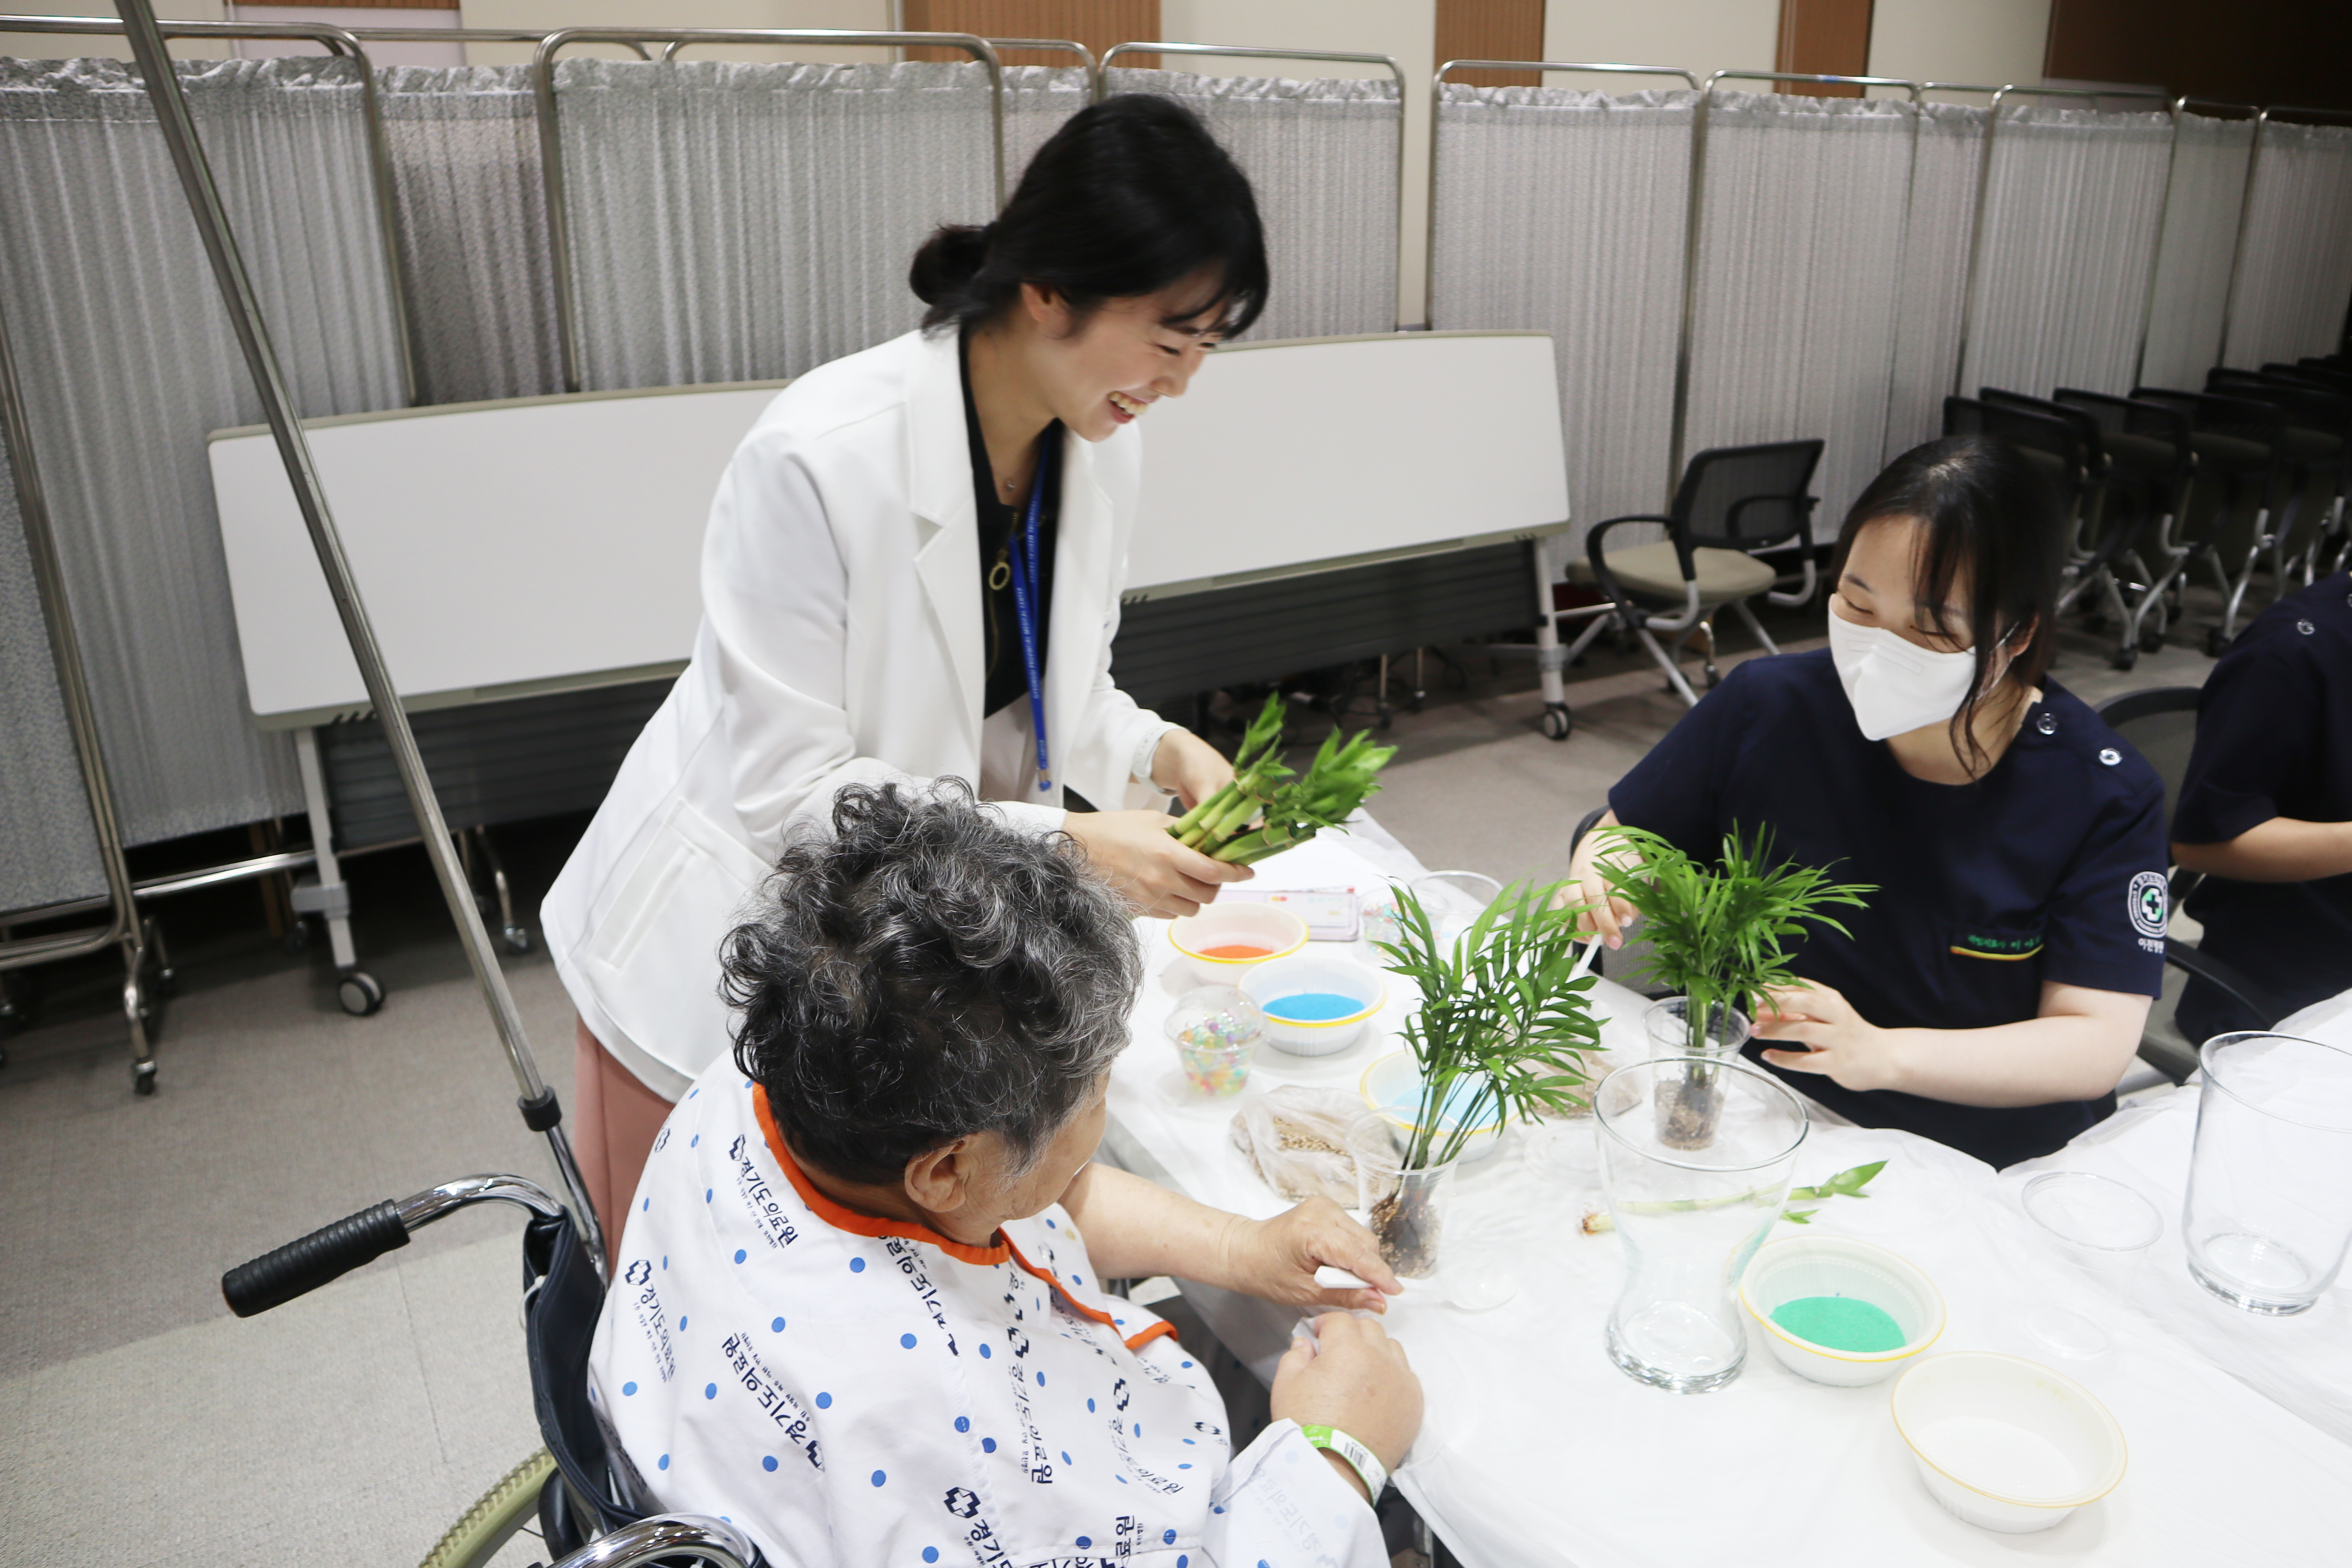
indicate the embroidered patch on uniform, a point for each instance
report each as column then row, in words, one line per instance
column 2003, row 945
column 2151, row 903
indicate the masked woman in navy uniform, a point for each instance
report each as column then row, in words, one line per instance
column 1996, row 988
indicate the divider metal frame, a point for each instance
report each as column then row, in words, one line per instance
column 1235, row 51
column 541, row 1112
column 1551, row 658
column 1984, row 185
column 551, row 135
column 2246, row 211
column 1690, row 255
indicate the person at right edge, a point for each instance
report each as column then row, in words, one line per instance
column 2265, row 812
column 1996, row 988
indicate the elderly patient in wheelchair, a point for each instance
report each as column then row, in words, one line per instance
column 861, row 1308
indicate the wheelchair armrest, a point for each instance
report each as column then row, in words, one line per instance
column 2186, row 957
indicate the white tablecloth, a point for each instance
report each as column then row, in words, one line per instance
column 1537, row 1450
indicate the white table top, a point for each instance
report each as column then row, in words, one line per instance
column 1536, row 1449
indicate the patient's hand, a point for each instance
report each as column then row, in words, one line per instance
column 1356, row 1379
column 1275, row 1260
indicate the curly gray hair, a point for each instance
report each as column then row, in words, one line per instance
column 926, row 974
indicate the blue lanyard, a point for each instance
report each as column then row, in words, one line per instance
column 1028, row 605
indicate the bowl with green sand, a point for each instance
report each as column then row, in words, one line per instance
column 1841, row 1311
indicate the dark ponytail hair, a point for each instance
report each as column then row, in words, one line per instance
column 1130, row 195
column 1993, row 520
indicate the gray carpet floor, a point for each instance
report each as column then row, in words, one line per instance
column 140, row 1424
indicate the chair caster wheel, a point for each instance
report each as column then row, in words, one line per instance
column 2216, row 645
column 143, row 1078
column 2124, row 658
column 359, row 994
column 2151, row 642
column 517, row 938
column 1557, row 721
column 1713, row 677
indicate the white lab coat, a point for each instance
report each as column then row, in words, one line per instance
column 859, row 1391
column 841, row 642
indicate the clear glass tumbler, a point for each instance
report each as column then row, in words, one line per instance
column 1690, row 1218
column 2269, row 1213
column 2104, row 1229
column 1668, row 1023
column 1688, row 1108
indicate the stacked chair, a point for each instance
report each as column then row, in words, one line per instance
column 2139, row 553
column 2247, row 481
column 2318, row 436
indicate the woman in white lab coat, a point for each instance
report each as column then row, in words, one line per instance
column 913, row 564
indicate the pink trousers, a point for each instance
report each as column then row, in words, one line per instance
column 615, row 1120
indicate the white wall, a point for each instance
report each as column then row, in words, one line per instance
column 1405, row 30
column 1986, row 41
column 1700, row 35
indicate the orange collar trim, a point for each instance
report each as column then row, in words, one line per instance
column 850, row 1220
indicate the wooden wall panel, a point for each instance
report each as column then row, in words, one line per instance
column 2241, row 51
column 1831, row 36
column 1491, row 30
column 1097, row 23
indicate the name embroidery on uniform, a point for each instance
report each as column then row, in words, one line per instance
column 759, row 1198
column 910, row 1265
column 771, row 1397
column 1995, row 945
column 645, row 1302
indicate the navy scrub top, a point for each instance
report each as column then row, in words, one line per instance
column 2274, row 739
column 2050, row 868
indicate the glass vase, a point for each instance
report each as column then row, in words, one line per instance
column 1403, row 1205
column 1690, row 1218
column 2268, row 1217
column 1690, row 1105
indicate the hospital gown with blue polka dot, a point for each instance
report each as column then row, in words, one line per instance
column 859, row 1391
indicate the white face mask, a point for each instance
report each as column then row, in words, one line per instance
column 1896, row 686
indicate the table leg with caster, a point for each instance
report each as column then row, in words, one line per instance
column 327, row 895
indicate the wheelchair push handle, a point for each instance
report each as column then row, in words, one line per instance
column 280, row 1274
column 276, row 1277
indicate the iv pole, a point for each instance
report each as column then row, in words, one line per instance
column 541, row 1113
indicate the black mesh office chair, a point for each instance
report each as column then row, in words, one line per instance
column 2161, row 725
column 1732, row 501
column 2244, row 483
column 2104, row 523
column 2152, row 462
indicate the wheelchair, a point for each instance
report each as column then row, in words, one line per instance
column 568, row 1485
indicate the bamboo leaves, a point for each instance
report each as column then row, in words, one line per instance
column 1717, row 936
column 1504, row 1021
column 1289, row 809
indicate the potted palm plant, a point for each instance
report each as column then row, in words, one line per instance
column 1501, row 1033
column 1717, row 936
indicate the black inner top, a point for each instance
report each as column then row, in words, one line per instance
column 1008, row 679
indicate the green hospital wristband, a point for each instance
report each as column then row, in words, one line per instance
column 1362, row 1461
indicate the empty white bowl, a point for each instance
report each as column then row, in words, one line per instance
column 2005, row 1443
column 1391, row 1087
column 1320, row 974
column 1798, row 1267
column 1268, row 932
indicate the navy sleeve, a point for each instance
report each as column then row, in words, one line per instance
column 2106, row 919
column 2256, row 720
column 1676, row 791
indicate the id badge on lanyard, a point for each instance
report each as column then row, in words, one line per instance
column 1028, row 605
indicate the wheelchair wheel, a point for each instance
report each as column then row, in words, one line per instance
column 487, row 1526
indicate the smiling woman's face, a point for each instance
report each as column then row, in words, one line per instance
column 1125, row 356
